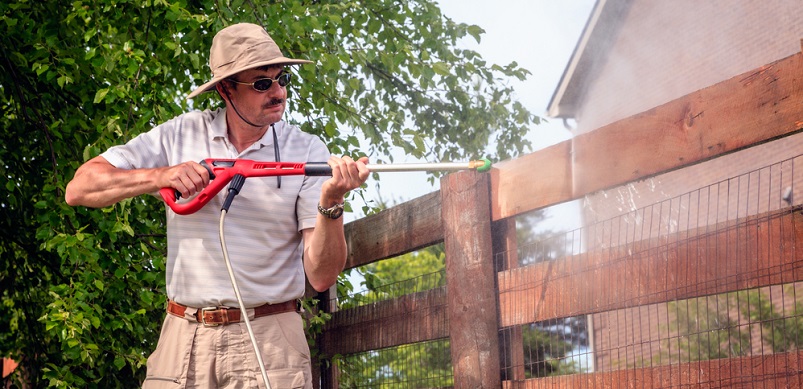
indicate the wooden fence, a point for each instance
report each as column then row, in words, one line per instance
column 473, row 214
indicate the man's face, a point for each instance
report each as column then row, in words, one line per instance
column 261, row 108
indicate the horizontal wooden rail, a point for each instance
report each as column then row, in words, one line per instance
column 747, row 253
column 783, row 370
column 395, row 231
column 748, row 109
column 412, row 318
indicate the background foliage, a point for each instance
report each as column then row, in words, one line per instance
column 549, row 346
column 420, row 365
column 82, row 290
column 734, row 324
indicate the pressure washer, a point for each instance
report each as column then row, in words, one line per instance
column 234, row 172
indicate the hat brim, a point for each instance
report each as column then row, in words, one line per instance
column 209, row 86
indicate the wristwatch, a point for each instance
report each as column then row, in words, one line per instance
column 334, row 212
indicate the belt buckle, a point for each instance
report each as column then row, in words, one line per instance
column 225, row 316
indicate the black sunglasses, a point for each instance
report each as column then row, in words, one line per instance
column 263, row 84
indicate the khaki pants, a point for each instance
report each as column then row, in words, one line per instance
column 191, row 355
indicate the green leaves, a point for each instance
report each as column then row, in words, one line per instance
column 441, row 68
column 83, row 290
column 100, row 95
column 475, row 31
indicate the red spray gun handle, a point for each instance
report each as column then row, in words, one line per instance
column 221, row 172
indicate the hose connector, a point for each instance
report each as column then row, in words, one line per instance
column 234, row 189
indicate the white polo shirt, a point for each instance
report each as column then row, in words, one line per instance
column 263, row 224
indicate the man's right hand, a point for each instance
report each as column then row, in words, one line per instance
column 97, row 183
column 187, row 178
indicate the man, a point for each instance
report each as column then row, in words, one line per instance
column 203, row 342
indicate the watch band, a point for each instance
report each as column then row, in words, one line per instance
column 334, row 212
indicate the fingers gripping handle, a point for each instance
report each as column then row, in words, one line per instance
column 211, row 177
column 171, row 196
column 221, row 172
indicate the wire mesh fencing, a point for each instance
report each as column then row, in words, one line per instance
column 699, row 288
column 417, row 353
column 666, row 284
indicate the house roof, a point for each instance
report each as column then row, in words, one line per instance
column 598, row 34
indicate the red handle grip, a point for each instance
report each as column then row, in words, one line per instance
column 223, row 170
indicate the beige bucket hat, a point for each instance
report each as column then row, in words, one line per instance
column 241, row 47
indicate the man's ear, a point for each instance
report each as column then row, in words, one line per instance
column 222, row 91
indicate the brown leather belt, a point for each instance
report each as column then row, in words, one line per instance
column 221, row 316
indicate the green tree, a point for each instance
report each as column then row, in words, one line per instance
column 409, row 273
column 83, row 290
column 548, row 345
column 426, row 364
column 418, row 365
column 781, row 327
column 722, row 326
column 704, row 331
column 540, row 246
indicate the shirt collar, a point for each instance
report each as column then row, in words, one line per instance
column 219, row 125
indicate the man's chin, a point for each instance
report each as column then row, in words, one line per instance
column 273, row 118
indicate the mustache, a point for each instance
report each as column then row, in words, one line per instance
column 275, row 101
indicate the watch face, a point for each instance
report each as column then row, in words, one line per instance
column 332, row 213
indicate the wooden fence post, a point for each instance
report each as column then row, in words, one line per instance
column 471, row 280
column 324, row 372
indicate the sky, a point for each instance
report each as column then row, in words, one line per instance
column 540, row 36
